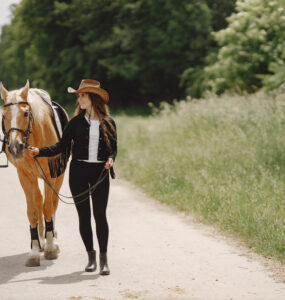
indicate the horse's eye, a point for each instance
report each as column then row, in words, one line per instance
column 26, row 114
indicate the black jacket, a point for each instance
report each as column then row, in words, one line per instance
column 76, row 136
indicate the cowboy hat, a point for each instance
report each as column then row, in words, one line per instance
column 90, row 86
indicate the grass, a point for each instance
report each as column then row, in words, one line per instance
column 222, row 158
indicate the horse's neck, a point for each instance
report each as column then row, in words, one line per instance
column 43, row 133
column 42, row 129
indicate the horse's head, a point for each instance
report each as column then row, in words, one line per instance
column 16, row 119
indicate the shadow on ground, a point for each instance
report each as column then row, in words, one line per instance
column 63, row 279
column 12, row 266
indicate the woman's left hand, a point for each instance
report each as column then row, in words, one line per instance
column 109, row 163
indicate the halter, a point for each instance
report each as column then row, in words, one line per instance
column 26, row 132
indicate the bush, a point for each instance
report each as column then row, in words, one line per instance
column 252, row 49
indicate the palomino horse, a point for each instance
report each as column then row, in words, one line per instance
column 28, row 119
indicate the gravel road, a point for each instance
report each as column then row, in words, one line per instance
column 154, row 253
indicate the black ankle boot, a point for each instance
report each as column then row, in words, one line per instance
column 104, row 268
column 91, row 266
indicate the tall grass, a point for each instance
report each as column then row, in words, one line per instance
column 222, row 158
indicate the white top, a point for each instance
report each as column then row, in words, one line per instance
column 93, row 140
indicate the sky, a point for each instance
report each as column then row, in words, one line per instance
column 5, row 14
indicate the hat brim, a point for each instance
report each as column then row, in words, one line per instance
column 98, row 91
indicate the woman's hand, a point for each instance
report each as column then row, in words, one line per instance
column 109, row 163
column 33, row 151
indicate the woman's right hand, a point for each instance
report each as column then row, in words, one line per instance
column 33, row 151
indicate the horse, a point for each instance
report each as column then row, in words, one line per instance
column 27, row 119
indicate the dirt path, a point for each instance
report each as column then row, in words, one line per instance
column 154, row 253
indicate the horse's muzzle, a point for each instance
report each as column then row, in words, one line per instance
column 16, row 150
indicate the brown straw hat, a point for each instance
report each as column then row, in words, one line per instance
column 90, row 86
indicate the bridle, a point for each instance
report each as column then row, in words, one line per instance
column 26, row 132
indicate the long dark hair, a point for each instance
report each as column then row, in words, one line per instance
column 102, row 111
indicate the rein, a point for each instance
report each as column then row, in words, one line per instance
column 90, row 190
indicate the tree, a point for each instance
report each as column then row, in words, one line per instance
column 194, row 79
column 138, row 49
column 153, row 42
column 251, row 50
column 220, row 11
column 14, row 57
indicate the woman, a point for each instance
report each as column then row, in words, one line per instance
column 92, row 135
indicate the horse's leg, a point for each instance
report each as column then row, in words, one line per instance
column 50, row 205
column 34, row 212
column 57, row 186
column 38, row 202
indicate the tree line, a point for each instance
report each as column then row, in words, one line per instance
column 145, row 50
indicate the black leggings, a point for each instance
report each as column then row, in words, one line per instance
column 82, row 175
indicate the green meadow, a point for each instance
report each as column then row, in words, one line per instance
column 221, row 159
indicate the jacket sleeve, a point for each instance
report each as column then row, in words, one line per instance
column 113, row 139
column 59, row 147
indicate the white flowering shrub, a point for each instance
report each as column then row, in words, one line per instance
column 252, row 48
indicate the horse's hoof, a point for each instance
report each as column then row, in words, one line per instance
column 33, row 261
column 51, row 254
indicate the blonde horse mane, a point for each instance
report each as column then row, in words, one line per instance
column 39, row 107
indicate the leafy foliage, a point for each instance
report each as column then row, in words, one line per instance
column 220, row 10
column 137, row 49
column 251, row 50
column 145, row 50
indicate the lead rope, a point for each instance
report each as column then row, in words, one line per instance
column 90, row 190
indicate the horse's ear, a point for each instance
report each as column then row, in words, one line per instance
column 25, row 90
column 3, row 91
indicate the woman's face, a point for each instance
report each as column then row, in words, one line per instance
column 84, row 101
